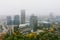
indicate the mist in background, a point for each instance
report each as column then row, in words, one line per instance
column 37, row 7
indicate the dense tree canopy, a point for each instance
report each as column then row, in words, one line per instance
column 46, row 35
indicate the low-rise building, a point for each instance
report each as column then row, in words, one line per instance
column 45, row 24
column 24, row 28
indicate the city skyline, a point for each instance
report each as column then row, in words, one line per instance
column 29, row 19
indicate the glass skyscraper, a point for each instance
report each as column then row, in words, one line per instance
column 16, row 20
column 33, row 22
column 9, row 20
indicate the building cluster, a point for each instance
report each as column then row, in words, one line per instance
column 18, row 22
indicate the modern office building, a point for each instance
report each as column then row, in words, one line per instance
column 33, row 22
column 57, row 18
column 9, row 24
column 22, row 16
column 9, row 20
column 51, row 18
column 16, row 20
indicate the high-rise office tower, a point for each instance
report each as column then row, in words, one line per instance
column 9, row 24
column 33, row 22
column 57, row 18
column 9, row 20
column 16, row 20
column 52, row 19
column 51, row 15
column 22, row 16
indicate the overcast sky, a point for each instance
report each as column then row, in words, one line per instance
column 38, row 7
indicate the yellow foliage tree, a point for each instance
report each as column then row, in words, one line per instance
column 51, row 29
column 31, row 35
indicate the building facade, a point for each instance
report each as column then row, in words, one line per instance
column 33, row 22
column 9, row 20
column 16, row 20
column 22, row 16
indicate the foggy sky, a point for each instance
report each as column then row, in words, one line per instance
column 37, row 7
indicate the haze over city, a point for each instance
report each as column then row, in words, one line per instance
column 29, row 19
column 38, row 7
